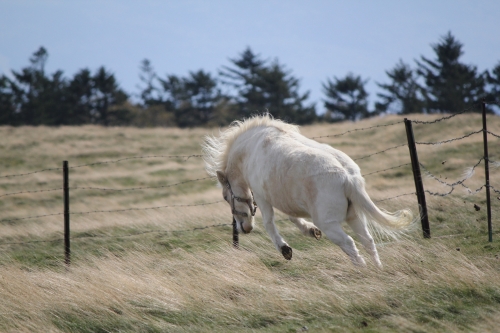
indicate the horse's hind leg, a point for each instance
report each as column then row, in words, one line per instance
column 307, row 228
column 361, row 230
column 329, row 221
column 336, row 234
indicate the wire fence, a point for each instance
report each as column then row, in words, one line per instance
column 430, row 175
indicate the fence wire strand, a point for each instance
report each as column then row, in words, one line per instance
column 374, row 172
column 449, row 140
column 397, row 196
column 471, row 192
column 441, row 119
column 107, row 189
column 29, row 173
column 30, row 217
column 469, row 174
column 138, row 188
column 495, row 190
column 112, row 211
column 379, row 152
column 495, row 135
column 146, row 208
column 36, row 191
column 120, row 236
column 356, row 130
column 186, row 157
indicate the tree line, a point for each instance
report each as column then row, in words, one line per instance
column 247, row 85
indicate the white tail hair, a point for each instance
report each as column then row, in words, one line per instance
column 381, row 222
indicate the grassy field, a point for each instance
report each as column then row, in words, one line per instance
column 173, row 269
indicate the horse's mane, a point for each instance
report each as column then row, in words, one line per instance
column 216, row 149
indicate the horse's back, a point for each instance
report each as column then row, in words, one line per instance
column 293, row 150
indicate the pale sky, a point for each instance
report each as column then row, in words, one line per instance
column 316, row 39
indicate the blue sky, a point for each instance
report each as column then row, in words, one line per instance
column 315, row 39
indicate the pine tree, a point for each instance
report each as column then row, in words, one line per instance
column 9, row 114
column 107, row 97
column 267, row 87
column 150, row 93
column 346, row 98
column 244, row 76
column 402, row 93
column 493, row 79
column 200, row 96
column 38, row 98
column 80, row 92
column 451, row 86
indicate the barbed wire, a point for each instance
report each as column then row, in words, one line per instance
column 374, row 172
column 495, row 135
column 112, row 211
column 473, row 192
column 469, row 174
column 441, row 119
column 107, row 189
column 379, row 152
column 495, row 190
column 30, row 173
column 129, row 235
column 397, row 196
column 470, row 192
column 440, row 194
column 33, row 241
column 119, row 236
column 30, row 217
column 139, row 188
column 356, row 130
column 449, row 140
column 36, row 191
column 186, row 157
column 146, row 208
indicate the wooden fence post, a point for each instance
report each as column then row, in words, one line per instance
column 67, row 251
column 487, row 173
column 417, row 176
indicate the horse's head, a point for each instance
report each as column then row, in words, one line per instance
column 240, row 199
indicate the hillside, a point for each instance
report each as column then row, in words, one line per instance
column 151, row 240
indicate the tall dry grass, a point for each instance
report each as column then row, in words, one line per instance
column 222, row 289
column 148, row 270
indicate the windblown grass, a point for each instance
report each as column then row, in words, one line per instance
column 156, row 270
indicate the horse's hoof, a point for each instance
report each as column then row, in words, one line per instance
column 286, row 251
column 315, row 232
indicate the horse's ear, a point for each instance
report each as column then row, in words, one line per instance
column 222, row 178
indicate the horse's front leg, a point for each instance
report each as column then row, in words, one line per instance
column 268, row 220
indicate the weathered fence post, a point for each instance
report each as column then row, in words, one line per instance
column 235, row 235
column 67, row 251
column 419, row 186
column 487, row 173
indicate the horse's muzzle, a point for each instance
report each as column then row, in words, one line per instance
column 243, row 229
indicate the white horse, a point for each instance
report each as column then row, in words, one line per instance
column 267, row 163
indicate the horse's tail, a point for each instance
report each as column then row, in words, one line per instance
column 380, row 221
